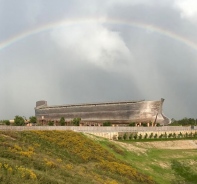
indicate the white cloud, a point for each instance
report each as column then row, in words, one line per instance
column 94, row 44
column 138, row 2
column 188, row 8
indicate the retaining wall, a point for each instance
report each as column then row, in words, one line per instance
column 111, row 132
column 100, row 129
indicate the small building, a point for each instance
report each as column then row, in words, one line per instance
column 95, row 114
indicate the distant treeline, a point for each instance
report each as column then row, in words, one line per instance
column 184, row 122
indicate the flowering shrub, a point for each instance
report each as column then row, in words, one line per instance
column 26, row 173
column 60, row 157
column 21, row 151
column 124, row 170
column 18, row 170
column 50, row 163
column 75, row 144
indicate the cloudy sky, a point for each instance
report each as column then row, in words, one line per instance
column 81, row 51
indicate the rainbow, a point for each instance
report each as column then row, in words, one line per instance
column 65, row 23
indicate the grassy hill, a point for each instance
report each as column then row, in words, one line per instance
column 168, row 162
column 59, row 157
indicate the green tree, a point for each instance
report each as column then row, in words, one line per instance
column 120, row 138
column 50, row 123
column 32, row 119
column 76, row 121
column 183, row 122
column 190, row 134
column 144, row 124
column 125, row 136
column 19, row 121
column 158, row 124
column 186, row 135
column 6, row 122
column 131, row 136
column 180, row 135
column 62, row 121
column 151, row 135
column 135, row 136
column 107, row 123
column 132, row 124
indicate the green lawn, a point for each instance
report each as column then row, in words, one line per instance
column 166, row 166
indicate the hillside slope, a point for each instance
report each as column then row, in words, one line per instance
column 59, row 157
column 168, row 162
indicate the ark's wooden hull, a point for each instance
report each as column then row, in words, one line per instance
column 116, row 112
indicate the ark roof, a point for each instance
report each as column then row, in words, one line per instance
column 89, row 104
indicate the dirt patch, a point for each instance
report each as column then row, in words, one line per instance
column 164, row 165
column 94, row 137
column 7, row 136
column 178, row 144
column 131, row 147
column 141, row 147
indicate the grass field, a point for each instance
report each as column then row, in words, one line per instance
column 59, row 157
column 166, row 166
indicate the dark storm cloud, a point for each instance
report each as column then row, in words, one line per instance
column 96, row 62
